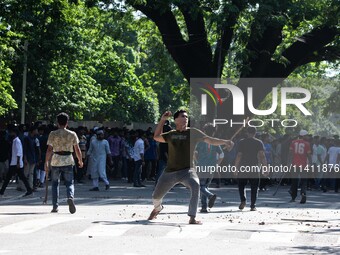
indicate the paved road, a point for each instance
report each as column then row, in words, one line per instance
column 113, row 222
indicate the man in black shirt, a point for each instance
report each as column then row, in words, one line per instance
column 250, row 154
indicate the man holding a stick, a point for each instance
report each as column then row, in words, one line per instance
column 181, row 144
column 61, row 143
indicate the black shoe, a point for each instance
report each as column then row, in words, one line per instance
column 71, row 206
column 139, row 185
column 212, row 201
column 303, row 198
column 204, row 210
column 107, row 187
column 242, row 205
column 55, row 210
column 253, row 209
column 94, row 189
column 28, row 193
column 292, row 198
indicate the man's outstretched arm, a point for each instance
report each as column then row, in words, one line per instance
column 216, row 141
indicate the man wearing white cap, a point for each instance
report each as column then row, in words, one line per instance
column 300, row 155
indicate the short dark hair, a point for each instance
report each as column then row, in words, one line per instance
column 166, row 128
column 32, row 128
column 62, row 118
column 209, row 129
column 251, row 130
column 178, row 112
column 140, row 133
column 14, row 130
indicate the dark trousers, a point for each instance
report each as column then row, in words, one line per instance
column 115, row 161
column 337, row 184
column 145, row 172
column 303, row 177
column 138, row 172
column 13, row 170
column 254, row 185
column 130, row 170
column 79, row 172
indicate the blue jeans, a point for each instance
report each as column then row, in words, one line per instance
column 67, row 172
column 205, row 193
column 137, row 175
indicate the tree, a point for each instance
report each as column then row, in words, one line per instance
column 7, row 54
column 78, row 62
column 262, row 38
column 157, row 70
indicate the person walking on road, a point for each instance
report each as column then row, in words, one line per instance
column 61, row 144
column 138, row 157
column 16, row 164
column 181, row 142
column 251, row 153
column 207, row 156
column 300, row 156
column 99, row 151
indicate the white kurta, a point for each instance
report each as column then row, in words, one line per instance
column 98, row 151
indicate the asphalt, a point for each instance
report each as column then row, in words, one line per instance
column 114, row 222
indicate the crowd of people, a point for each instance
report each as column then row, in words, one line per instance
column 137, row 156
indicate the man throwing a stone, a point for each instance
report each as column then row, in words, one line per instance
column 181, row 144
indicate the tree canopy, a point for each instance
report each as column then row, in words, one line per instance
column 129, row 60
column 246, row 38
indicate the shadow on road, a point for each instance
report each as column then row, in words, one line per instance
column 313, row 249
column 137, row 222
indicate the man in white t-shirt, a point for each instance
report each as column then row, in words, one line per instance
column 333, row 161
column 138, row 157
column 16, row 163
column 318, row 158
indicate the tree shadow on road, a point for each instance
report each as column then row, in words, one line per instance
column 303, row 249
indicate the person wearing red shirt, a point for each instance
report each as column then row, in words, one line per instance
column 300, row 155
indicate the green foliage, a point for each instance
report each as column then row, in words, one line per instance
column 323, row 122
column 6, row 52
column 79, row 62
column 102, row 60
column 157, row 70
